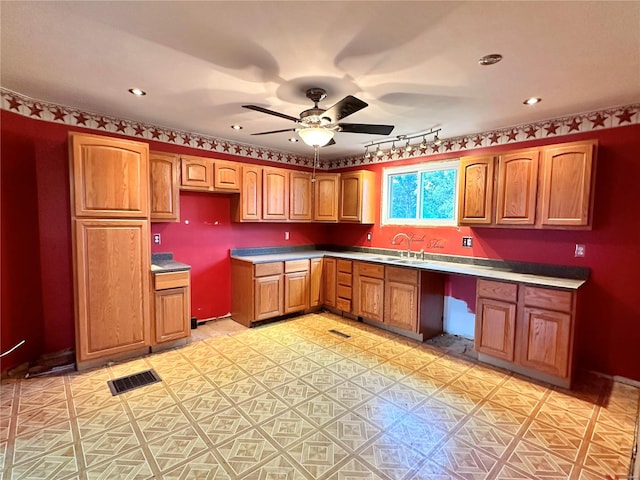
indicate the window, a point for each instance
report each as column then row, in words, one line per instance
column 420, row 194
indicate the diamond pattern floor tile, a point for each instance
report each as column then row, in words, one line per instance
column 290, row 401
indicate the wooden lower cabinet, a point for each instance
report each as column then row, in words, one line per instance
column 296, row 291
column 402, row 298
column 530, row 329
column 112, row 287
column 495, row 328
column 315, row 282
column 268, row 297
column 368, row 290
column 329, row 282
column 172, row 307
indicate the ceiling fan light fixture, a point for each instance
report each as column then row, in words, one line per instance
column 315, row 136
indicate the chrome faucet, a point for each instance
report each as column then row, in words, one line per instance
column 403, row 235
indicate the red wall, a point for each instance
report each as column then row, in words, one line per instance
column 608, row 331
column 37, row 281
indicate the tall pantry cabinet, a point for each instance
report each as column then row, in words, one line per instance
column 111, row 231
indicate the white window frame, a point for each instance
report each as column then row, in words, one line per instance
column 451, row 164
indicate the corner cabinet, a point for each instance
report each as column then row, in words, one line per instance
column 545, row 187
column 165, row 187
column 527, row 329
column 357, row 197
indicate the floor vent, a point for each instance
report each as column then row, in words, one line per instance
column 131, row 382
column 337, row 332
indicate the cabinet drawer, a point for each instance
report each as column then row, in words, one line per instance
column 344, row 279
column 162, row 281
column 402, row 275
column 296, row 266
column 344, row 305
column 344, row 292
column 371, row 270
column 265, row 269
column 558, row 300
column 497, row 290
column 345, row 266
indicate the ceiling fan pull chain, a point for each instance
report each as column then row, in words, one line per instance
column 316, row 155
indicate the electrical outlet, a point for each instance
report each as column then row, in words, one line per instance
column 156, row 238
column 580, row 250
column 467, row 242
column 368, row 236
column 286, row 235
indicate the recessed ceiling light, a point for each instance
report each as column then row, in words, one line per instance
column 137, row 92
column 491, row 59
column 236, row 127
column 293, row 139
column 532, row 101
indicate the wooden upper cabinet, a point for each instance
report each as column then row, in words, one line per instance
column 326, row 194
column 517, row 187
column 164, row 182
column 475, row 190
column 568, row 174
column 112, row 263
column 226, row 176
column 247, row 206
column 300, row 196
column 110, row 177
column 357, row 197
column 275, row 194
column 197, row 173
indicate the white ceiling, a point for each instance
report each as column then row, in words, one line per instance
column 415, row 63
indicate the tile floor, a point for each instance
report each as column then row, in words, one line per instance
column 291, row 401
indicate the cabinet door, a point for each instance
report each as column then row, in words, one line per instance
column 300, row 196
column 401, row 305
column 517, row 188
column 357, row 197
column 112, row 287
column 165, row 193
column 197, row 173
column 226, row 176
column 275, row 194
column 475, row 190
column 315, row 282
column 545, row 341
column 369, row 298
column 329, row 282
column 567, row 184
column 110, row 177
column 495, row 328
column 326, row 196
column 296, row 291
column 269, row 297
column 172, row 314
column 247, row 206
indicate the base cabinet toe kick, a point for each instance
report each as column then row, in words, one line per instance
column 522, row 327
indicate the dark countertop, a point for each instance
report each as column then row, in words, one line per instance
column 164, row 262
column 545, row 275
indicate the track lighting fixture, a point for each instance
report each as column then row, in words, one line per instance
column 404, row 138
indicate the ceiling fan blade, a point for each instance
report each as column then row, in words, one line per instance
column 275, row 131
column 270, row 112
column 331, row 142
column 366, row 128
column 344, row 108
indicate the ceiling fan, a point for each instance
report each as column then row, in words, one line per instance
column 316, row 126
